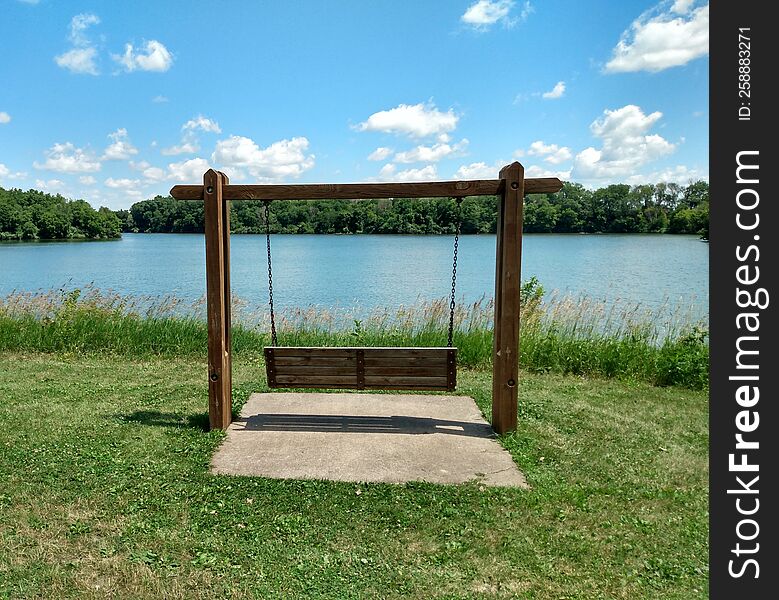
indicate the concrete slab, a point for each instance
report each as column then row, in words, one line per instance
column 365, row 437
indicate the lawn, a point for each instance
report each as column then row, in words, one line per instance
column 105, row 492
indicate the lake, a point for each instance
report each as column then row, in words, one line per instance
column 367, row 271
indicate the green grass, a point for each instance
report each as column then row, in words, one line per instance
column 577, row 336
column 105, row 492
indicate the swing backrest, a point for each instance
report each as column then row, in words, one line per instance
column 362, row 368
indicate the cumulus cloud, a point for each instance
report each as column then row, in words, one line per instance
column 537, row 171
column 87, row 180
column 67, row 158
column 626, row 144
column 381, row 153
column 201, row 123
column 188, row 171
column 82, row 58
column 160, row 99
column 4, row 117
column 478, row 170
column 432, row 153
column 122, row 183
column 189, row 143
column 483, row 14
column 185, row 147
column 389, row 172
column 78, row 27
column 151, row 56
column 414, row 120
column 662, row 38
column 6, row 173
column 280, row 160
column 54, row 186
column 556, row 92
column 552, row 153
column 678, row 174
column 120, row 148
column 79, row 60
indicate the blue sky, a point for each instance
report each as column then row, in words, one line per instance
column 115, row 102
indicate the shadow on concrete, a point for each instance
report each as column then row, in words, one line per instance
column 158, row 418
column 361, row 424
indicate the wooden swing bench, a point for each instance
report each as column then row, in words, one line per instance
column 430, row 369
column 421, row 369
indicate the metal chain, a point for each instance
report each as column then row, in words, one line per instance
column 454, row 271
column 274, row 339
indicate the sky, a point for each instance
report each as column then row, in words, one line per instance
column 115, row 102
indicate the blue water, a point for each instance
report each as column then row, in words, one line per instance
column 369, row 270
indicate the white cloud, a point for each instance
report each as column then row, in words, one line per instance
column 202, row 123
column 414, row 120
column 155, row 174
column 82, row 58
column 625, row 145
column 432, row 153
column 66, row 158
column 556, row 92
column 189, row 143
column 4, row 117
column 553, row 153
column 678, row 174
column 661, row 39
column 381, row 153
column 121, row 148
column 152, row 56
column 389, row 172
column 184, row 147
column 280, row 160
column 159, row 99
column 478, row 170
column 122, row 183
column 55, row 186
column 536, row 171
column 681, row 7
column 188, row 171
column 78, row 26
column 6, row 173
column 483, row 14
column 79, row 60
column 87, row 180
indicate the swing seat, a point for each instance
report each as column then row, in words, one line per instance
column 362, row 368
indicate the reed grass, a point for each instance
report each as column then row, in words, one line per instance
column 562, row 334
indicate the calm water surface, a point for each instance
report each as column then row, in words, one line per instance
column 369, row 270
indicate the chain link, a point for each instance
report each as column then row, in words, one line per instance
column 274, row 338
column 458, row 222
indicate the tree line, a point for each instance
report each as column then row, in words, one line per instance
column 33, row 215
column 619, row 208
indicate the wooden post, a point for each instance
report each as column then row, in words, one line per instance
column 505, row 359
column 217, row 229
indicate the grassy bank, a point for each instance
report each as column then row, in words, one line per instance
column 104, row 492
column 561, row 335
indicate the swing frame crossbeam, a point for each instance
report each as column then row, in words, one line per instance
column 510, row 188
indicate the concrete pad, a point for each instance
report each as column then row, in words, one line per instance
column 365, row 437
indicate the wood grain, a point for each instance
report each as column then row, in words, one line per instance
column 505, row 364
column 365, row 191
column 361, row 367
column 217, row 232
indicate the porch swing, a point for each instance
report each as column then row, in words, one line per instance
column 362, row 368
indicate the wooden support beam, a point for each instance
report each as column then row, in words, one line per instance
column 364, row 191
column 505, row 364
column 217, row 234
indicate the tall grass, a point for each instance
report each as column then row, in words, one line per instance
column 560, row 334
